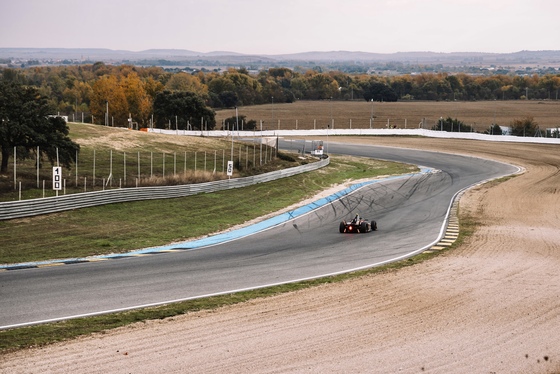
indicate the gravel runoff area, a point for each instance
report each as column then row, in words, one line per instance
column 491, row 305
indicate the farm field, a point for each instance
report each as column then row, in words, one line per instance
column 357, row 114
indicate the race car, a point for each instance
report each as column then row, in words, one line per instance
column 357, row 225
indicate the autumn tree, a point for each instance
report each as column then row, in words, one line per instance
column 77, row 96
column 153, row 87
column 186, row 82
column 107, row 92
column 247, row 88
column 321, row 86
column 299, row 87
column 550, row 85
column 71, row 88
column 278, row 83
column 271, row 91
column 137, row 98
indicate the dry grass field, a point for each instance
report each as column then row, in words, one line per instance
column 479, row 114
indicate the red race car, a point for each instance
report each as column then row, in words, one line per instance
column 357, row 225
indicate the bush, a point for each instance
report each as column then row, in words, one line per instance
column 524, row 127
column 241, row 121
column 452, row 125
column 494, row 130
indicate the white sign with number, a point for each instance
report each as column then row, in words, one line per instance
column 230, row 168
column 57, row 178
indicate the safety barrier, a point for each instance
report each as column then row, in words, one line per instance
column 363, row 132
column 33, row 207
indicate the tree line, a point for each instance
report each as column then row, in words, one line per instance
column 125, row 93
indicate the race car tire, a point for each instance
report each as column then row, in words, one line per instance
column 373, row 226
column 363, row 227
column 342, row 227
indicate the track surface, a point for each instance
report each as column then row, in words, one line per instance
column 409, row 212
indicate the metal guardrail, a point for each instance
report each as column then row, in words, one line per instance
column 34, row 207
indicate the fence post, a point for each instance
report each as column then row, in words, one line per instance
column 110, row 179
column 93, row 173
column 15, row 168
column 77, row 168
column 38, row 165
column 124, row 167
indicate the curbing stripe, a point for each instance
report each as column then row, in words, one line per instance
column 451, row 232
column 50, row 265
column 437, row 248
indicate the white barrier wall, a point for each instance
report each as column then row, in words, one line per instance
column 376, row 132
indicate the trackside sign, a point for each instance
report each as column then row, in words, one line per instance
column 57, row 178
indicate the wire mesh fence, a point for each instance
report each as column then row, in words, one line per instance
column 33, row 207
column 97, row 169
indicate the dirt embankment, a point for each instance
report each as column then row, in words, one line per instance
column 489, row 306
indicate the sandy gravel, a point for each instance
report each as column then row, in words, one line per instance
column 489, row 306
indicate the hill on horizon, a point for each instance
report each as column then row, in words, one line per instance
column 549, row 58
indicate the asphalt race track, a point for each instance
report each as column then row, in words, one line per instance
column 410, row 212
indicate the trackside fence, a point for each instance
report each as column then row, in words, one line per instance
column 34, row 207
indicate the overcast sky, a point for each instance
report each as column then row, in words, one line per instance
column 283, row 26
